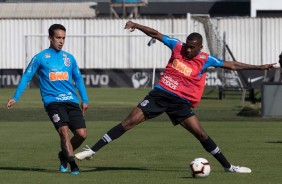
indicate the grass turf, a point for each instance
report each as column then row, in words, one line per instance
column 153, row 152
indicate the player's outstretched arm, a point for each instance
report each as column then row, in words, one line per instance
column 235, row 65
column 10, row 103
column 147, row 30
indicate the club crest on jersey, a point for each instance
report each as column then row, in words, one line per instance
column 56, row 118
column 144, row 103
column 47, row 55
column 67, row 61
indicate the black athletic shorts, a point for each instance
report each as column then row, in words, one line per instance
column 66, row 113
column 159, row 101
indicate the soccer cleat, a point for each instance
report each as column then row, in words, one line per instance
column 63, row 163
column 238, row 169
column 75, row 171
column 86, row 154
column 63, row 169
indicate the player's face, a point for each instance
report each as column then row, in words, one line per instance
column 193, row 47
column 58, row 39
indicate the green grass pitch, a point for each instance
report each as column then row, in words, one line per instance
column 155, row 152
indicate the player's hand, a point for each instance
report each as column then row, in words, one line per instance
column 267, row 66
column 84, row 107
column 130, row 26
column 10, row 103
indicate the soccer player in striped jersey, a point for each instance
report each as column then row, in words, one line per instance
column 57, row 70
column 179, row 90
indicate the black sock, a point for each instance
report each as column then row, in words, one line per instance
column 63, row 159
column 72, row 163
column 213, row 149
column 111, row 135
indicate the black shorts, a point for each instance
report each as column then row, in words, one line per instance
column 66, row 113
column 159, row 101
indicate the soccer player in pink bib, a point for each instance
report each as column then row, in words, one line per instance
column 179, row 90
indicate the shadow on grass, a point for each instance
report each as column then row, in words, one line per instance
column 28, row 169
column 190, row 177
column 95, row 169
column 274, row 142
column 250, row 111
column 83, row 170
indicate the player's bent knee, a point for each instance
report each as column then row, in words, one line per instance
column 127, row 125
column 201, row 136
column 82, row 135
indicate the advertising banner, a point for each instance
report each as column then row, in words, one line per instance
column 142, row 78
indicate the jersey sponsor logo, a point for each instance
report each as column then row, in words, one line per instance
column 182, row 68
column 64, row 97
column 66, row 61
column 144, row 103
column 56, row 118
column 168, row 81
column 58, row 76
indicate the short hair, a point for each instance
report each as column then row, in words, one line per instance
column 53, row 27
column 195, row 36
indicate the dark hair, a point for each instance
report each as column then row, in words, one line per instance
column 54, row 27
column 195, row 36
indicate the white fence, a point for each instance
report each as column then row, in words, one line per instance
column 103, row 43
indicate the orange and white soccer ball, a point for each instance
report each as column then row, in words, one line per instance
column 199, row 168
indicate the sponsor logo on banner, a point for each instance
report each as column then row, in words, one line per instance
column 143, row 78
column 252, row 80
column 10, row 80
column 230, row 79
column 140, row 79
column 96, row 80
column 212, row 79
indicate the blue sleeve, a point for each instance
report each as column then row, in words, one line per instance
column 170, row 42
column 79, row 83
column 213, row 61
column 26, row 77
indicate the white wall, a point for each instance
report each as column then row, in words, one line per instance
column 103, row 43
column 95, row 43
column 265, row 5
